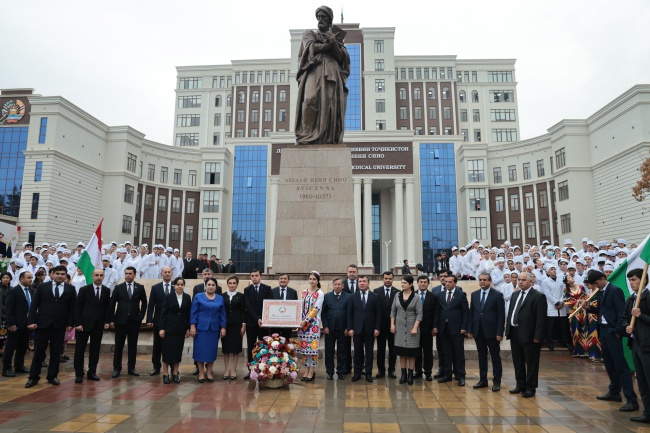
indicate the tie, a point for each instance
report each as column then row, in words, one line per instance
column 29, row 301
column 97, row 293
column 282, row 294
column 56, row 292
column 257, row 289
column 337, row 297
column 515, row 316
column 449, row 292
column 167, row 288
column 482, row 300
column 363, row 299
column 352, row 286
column 387, row 293
column 422, row 297
column 130, row 291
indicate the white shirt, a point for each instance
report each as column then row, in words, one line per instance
column 520, row 299
column 179, row 299
column 231, row 294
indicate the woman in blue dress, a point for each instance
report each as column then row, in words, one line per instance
column 208, row 324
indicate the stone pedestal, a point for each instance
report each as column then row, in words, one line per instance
column 315, row 226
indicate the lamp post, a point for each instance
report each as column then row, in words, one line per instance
column 386, row 244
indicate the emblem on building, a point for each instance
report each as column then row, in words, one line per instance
column 12, row 111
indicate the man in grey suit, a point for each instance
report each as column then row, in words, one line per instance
column 364, row 323
column 285, row 293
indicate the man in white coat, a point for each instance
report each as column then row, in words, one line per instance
column 557, row 323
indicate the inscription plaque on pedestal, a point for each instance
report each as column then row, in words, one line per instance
column 315, row 227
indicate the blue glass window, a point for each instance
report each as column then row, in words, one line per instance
column 43, row 130
column 249, row 208
column 13, row 142
column 376, row 233
column 353, row 110
column 38, row 171
column 439, row 200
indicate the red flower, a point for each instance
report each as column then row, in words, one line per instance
column 314, row 329
column 304, row 344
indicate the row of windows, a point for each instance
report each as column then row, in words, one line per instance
column 254, row 117
column 226, row 81
column 529, row 201
column 512, row 172
column 189, row 101
column 425, row 73
column 417, row 93
column 255, row 96
column 417, row 112
column 531, row 231
column 209, row 230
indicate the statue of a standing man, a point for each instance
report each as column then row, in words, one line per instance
column 324, row 66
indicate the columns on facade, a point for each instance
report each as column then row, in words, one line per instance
column 367, row 223
column 399, row 222
column 273, row 214
column 357, row 217
column 410, row 221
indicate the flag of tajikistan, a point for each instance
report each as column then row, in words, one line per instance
column 91, row 258
column 637, row 259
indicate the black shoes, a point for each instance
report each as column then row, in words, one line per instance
column 461, row 381
column 630, row 406
column 155, row 372
column 643, row 418
column 409, row 376
column 368, row 377
column 248, row 376
column 116, row 373
column 391, row 374
column 496, row 387
column 177, row 379
column 417, row 375
column 380, row 374
column 429, row 378
column 8, row 373
column 610, row 397
column 516, row 390
column 196, row 371
column 356, row 377
column 92, row 376
column 54, row 381
column 439, row 374
column 134, row 373
column 480, row 384
column 166, row 379
column 330, row 376
column 79, row 379
column 529, row 393
column 444, row 379
column 21, row 370
column 341, row 376
column 31, row 382
column 402, row 379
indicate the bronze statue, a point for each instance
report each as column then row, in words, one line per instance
column 323, row 69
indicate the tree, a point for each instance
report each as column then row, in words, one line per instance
column 642, row 189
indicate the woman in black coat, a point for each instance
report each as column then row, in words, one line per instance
column 174, row 328
column 231, row 343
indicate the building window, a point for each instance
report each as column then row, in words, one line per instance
column 474, row 96
column 140, row 172
column 431, row 94
column 211, row 201
column 504, row 135
column 502, row 115
column 529, row 201
column 379, row 64
column 163, row 174
column 528, row 172
column 212, row 173
column 434, row 73
column 477, row 135
column 128, row 194
column 465, row 134
column 462, row 96
column 191, row 178
column 228, row 100
column 476, row 115
column 35, row 200
column 255, row 96
column 560, row 160
column 498, row 203
column 501, row 232
column 283, row 96
column 127, row 221
column 514, row 202
column 267, row 115
column 433, row 113
column 417, row 113
column 543, row 198
column 403, row 113
column 446, row 112
column 417, row 93
column 38, row 171
column 380, row 85
column 418, row 130
column 160, row 231
column 254, row 116
column 447, row 130
column 402, row 93
column 217, row 101
column 478, row 228
column 502, row 95
column 499, row 76
column 190, row 83
column 516, row 230
column 442, row 73
column 380, row 125
column 477, row 199
column 282, row 116
column 268, row 96
column 189, row 233
column 512, row 173
column 137, row 203
column 496, row 173
column 475, row 170
column 187, row 139
column 217, row 120
column 151, row 172
column 474, row 77
column 148, row 201
column 189, row 101
column 176, row 204
column 228, row 119
column 433, row 130
column 546, row 228
column 267, row 132
column 563, row 188
column 190, row 205
column 146, row 230
column 162, row 203
column 254, row 132
column 188, row 120
column 379, row 46
column 565, row 223
column 209, row 229
column 240, row 116
column 241, row 97
column 380, row 105
column 411, row 74
column 540, row 168
column 131, row 162
column 42, row 132
column 552, row 166
column 463, row 115
column 445, row 93
column 174, row 231
column 530, row 229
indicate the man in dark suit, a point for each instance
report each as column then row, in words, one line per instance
column 156, row 298
column 364, row 323
column 610, row 308
column 285, row 293
column 525, row 328
column 130, row 299
column 640, row 341
column 230, row 268
column 200, row 288
column 386, row 295
column 17, row 308
column 254, row 296
column 450, row 321
column 51, row 313
column 351, row 285
column 190, row 267
column 424, row 360
column 486, row 321
column 440, row 288
column 335, row 317
column 92, row 317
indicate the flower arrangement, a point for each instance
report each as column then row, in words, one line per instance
column 274, row 359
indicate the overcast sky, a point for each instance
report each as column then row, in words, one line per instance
column 116, row 59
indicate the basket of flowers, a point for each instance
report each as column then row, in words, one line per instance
column 274, row 362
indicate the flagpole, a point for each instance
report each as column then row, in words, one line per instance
column 637, row 302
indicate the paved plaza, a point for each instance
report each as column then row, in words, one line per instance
column 565, row 402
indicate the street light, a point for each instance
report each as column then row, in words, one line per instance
column 386, row 244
